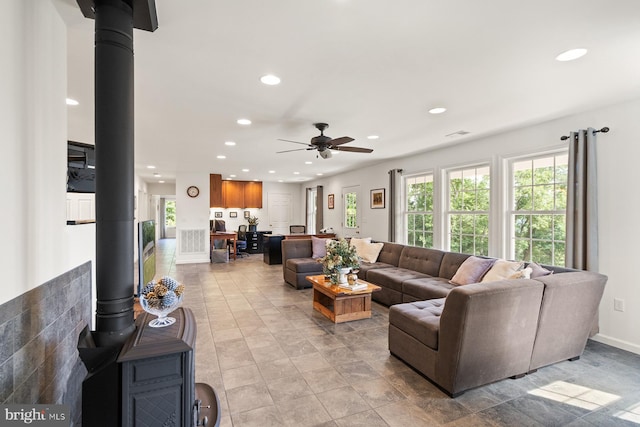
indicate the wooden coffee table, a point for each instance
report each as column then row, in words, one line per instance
column 340, row 304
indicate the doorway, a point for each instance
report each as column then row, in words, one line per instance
column 351, row 211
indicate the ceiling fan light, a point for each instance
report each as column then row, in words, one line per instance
column 325, row 154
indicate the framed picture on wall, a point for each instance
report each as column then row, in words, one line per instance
column 233, row 214
column 218, row 214
column 247, row 214
column 377, row 198
column 330, row 202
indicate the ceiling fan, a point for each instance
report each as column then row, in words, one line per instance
column 324, row 144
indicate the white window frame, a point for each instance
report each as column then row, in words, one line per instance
column 448, row 212
column 510, row 212
column 433, row 211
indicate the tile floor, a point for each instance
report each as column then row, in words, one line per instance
column 273, row 361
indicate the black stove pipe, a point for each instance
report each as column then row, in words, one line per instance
column 114, row 142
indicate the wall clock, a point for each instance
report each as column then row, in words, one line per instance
column 193, row 191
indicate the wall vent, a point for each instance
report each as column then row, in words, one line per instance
column 192, row 241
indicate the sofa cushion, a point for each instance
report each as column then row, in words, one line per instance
column 359, row 243
column 538, row 271
column 304, row 265
column 472, row 270
column 525, row 273
column 368, row 252
column 451, row 261
column 392, row 277
column 420, row 319
column 390, row 253
column 366, row 266
column 318, row 246
column 502, row 269
column 422, row 260
column 427, row 288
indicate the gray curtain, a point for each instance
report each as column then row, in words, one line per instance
column 320, row 209
column 395, row 204
column 581, row 250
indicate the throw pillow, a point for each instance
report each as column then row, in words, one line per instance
column 538, row 271
column 359, row 243
column 370, row 252
column 525, row 273
column 471, row 270
column 502, row 269
column 318, row 247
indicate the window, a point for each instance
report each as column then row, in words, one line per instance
column 170, row 213
column 468, row 210
column 538, row 208
column 350, row 210
column 419, row 203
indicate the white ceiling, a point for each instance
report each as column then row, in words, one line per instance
column 363, row 66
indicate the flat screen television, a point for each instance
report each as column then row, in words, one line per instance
column 81, row 168
column 146, row 252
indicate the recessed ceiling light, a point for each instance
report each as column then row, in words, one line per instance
column 373, row 137
column 244, row 122
column 571, row 54
column 157, row 175
column 161, row 182
column 232, row 176
column 296, row 173
column 270, row 80
column 230, row 143
column 272, row 171
column 221, row 157
column 319, row 174
column 151, row 167
column 280, row 180
column 245, row 170
column 308, row 163
column 437, row 110
column 72, row 101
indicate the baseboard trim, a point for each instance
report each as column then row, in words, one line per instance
column 614, row 342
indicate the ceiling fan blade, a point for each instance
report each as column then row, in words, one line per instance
column 353, row 149
column 295, row 142
column 341, row 140
column 297, row 149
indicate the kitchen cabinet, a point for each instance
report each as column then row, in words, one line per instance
column 253, row 194
column 234, row 194
column 215, row 190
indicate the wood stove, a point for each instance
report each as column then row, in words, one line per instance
column 158, row 373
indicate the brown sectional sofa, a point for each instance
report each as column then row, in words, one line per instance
column 462, row 337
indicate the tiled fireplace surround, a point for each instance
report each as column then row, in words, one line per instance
column 39, row 331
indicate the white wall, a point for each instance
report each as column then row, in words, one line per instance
column 192, row 214
column 619, row 176
column 38, row 245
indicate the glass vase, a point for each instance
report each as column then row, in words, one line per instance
column 161, row 311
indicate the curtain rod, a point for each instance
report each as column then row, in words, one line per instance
column 603, row 130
